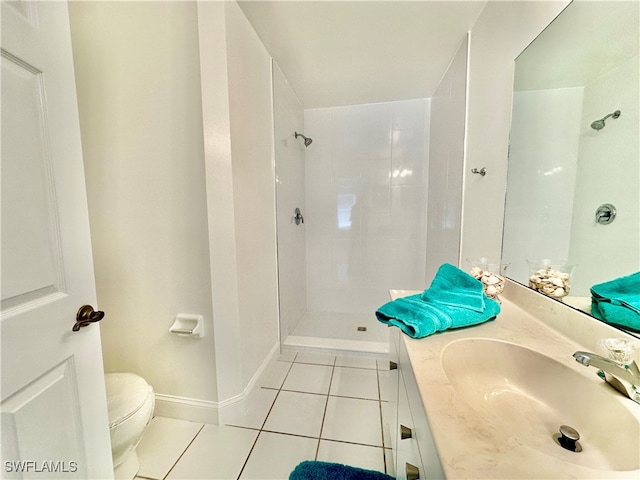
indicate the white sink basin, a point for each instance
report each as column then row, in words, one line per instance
column 526, row 396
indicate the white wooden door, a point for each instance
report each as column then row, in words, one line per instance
column 53, row 402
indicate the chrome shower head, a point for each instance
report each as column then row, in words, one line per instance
column 307, row 140
column 599, row 124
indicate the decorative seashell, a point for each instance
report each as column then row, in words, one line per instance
column 557, row 281
column 493, row 283
column 550, row 282
column 559, row 292
column 548, row 289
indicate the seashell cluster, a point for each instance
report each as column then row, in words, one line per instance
column 552, row 283
column 493, row 283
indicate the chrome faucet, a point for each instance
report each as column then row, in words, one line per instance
column 623, row 377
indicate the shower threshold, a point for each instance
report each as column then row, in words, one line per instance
column 358, row 333
column 337, row 345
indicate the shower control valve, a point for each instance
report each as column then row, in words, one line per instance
column 297, row 217
column 605, row 214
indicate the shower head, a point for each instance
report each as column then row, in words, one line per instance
column 599, row 124
column 307, row 140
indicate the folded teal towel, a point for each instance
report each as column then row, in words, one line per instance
column 451, row 286
column 313, row 470
column 618, row 301
column 624, row 291
column 616, row 315
column 424, row 314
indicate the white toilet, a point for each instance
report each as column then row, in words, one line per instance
column 130, row 401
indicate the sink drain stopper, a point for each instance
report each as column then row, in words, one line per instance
column 568, row 438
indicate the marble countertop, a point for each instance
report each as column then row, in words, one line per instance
column 471, row 447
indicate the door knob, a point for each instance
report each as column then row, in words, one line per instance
column 87, row 315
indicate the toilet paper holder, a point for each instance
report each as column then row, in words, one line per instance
column 187, row 325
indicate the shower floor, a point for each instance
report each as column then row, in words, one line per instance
column 339, row 332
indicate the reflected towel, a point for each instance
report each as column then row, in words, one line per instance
column 616, row 315
column 623, row 291
column 441, row 307
column 618, row 301
column 314, row 470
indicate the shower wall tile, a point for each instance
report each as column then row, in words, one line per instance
column 608, row 164
column 446, row 160
column 290, row 174
column 365, row 194
column 542, row 165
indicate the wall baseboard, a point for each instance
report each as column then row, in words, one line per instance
column 206, row 411
column 183, row 408
column 236, row 406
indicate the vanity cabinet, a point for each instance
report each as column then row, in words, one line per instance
column 415, row 452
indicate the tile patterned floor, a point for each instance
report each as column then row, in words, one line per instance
column 308, row 407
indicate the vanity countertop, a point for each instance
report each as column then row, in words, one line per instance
column 472, row 447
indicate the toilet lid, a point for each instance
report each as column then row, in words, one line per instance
column 126, row 394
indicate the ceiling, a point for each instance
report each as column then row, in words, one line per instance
column 354, row 52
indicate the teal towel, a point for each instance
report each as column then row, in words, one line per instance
column 616, row 315
column 618, row 301
column 455, row 288
column 313, row 470
column 424, row 314
column 623, row 291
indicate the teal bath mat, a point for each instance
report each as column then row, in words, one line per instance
column 311, row 470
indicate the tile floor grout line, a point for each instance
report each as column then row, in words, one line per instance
column 326, row 404
column 184, row 451
column 384, row 457
column 330, row 395
column 277, row 395
column 351, row 443
column 246, row 460
column 322, row 394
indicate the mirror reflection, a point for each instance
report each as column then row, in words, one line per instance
column 572, row 213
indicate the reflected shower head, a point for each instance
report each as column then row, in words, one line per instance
column 599, row 124
column 307, row 140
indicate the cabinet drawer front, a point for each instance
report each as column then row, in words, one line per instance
column 407, row 451
column 421, row 430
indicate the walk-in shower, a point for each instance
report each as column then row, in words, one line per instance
column 307, row 140
column 364, row 231
column 599, row 124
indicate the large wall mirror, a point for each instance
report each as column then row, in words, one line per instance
column 574, row 152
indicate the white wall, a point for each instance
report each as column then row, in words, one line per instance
column 543, row 161
column 501, row 32
column 238, row 137
column 181, row 192
column 366, row 203
column 290, row 167
column 252, row 151
column 446, row 162
column 140, row 109
column 609, row 171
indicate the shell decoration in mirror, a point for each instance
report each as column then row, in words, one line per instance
column 549, row 277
